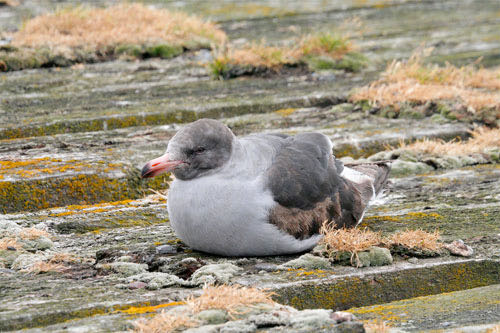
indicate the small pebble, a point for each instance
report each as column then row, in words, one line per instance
column 166, row 249
column 459, row 248
column 413, row 260
column 266, row 267
column 342, row 316
column 137, row 285
column 11, row 248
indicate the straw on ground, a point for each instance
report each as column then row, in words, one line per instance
column 414, row 81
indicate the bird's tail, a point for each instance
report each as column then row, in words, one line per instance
column 378, row 171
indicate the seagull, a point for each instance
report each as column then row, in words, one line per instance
column 262, row 194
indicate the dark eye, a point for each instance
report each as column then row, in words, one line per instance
column 199, row 150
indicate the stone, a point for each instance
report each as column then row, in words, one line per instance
column 166, row 249
column 270, row 319
column 33, row 245
column 413, row 260
column 400, row 167
column 239, row 326
column 123, row 268
column 350, row 327
column 183, row 268
column 380, row 256
column 137, row 285
column 459, row 248
column 25, row 261
column 213, row 316
column 312, row 320
column 266, row 267
column 214, row 273
column 342, row 316
column 156, row 280
column 7, row 257
column 307, row 262
column 375, row 256
column 124, row 259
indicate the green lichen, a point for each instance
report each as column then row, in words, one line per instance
column 354, row 291
column 36, row 194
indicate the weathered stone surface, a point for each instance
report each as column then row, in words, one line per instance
column 448, row 311
column 307, row 262
column 459, row 248
column 92, row 127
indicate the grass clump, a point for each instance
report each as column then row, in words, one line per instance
column 9, row 242
column 414, row 81
column 231, row 299
column 317, row 52
column 33, row 233
column 376, row 326
column 164, row 322
column 415, row 239
column 228, row 298
column 40, row 267
column 348, row 240
column 100, row 28
column 482, row 140
column 91, row 34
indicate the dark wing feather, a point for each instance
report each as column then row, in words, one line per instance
column 303, row 172
column 305, row 181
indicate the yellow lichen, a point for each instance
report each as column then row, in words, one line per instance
column 147, row 308
column 285, row 112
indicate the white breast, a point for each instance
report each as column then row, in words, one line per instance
column 228, row 217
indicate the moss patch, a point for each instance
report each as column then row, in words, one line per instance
column 367, row 289
column 30, row 195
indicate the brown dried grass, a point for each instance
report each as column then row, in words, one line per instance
column 418, row 239
column 62, row 257
column 414, row 81
column 494, row 329
column 44, row 267
column 228, row 298
column 164, row 322
column 376, row 326
column 33, row 233
column 260, row 55
column 482, row 139
column 6, row 242
column 122, row 24
column 224, row 297
column 349, row 240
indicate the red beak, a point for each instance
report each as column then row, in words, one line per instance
column 158, row 166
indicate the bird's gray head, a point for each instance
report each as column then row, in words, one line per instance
column 194, row 151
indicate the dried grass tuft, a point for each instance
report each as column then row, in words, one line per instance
column 414, row 81
column 33, row 233
column 259, row 55
column 7, row 242
column 164, row 322
column 376, row 326
column 224, row 297
column 415, row 239
column 494, row 329
column 62, row 257
column 482, row 139
column 122, row 24
column 228, row 298
column 349, row 240
column 273, row 57
column 44, row 267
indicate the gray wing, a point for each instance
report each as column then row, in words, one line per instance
column 304, row 171
column 305, row 181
